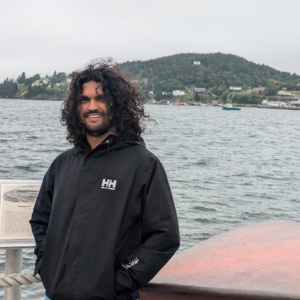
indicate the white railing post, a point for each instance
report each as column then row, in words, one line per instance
column 13, row 264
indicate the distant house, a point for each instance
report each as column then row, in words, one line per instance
column 44, row 80
column 151, row 93
column 197, row 62
column 36, row 83
column 199, row 90
column 258, row 89
column 165, row 102
column 284, row 93
column 153, row 101
column 164, row 93
column 273, row 103
column 235, row 88
column 295, row 103
column 178, row 93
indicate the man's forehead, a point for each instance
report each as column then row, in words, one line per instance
column 97, row 86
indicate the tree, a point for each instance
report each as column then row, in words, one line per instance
column 8, row 88
column 22, row 78
column 158, row 95
column 197, row 97
column 61, row 77
column 32, row 79
column 271, row 89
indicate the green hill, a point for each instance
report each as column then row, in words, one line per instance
column 217, row 71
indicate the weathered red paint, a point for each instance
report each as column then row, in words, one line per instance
column 259, row 261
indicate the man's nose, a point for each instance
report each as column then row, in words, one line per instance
column 92, row 104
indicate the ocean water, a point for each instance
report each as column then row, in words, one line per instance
column 226, row 169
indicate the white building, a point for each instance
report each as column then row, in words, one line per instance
column 295, row 103
column 44, row 80
column 36, row 83
column 197, row 62
column 235, row 88
column 178, row 93
column 273, row 103
column 284, row 93
column 200, row 90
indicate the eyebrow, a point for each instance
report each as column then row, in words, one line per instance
column 98, row 97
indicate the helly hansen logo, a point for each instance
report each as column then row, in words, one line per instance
column 109, row 184
column 130, row 264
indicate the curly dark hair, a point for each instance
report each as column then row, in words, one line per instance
column 124, row 100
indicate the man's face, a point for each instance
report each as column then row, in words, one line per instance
column 93, row 109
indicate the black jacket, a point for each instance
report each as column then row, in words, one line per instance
column 104, row 222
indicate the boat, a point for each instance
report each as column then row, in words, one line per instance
column 228, row 106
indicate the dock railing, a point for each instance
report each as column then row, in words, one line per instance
column 14, row 278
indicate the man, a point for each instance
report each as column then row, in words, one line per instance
column 104, row 220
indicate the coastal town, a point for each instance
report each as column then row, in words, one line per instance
column 283, row 100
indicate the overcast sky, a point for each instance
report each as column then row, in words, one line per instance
column 42, row 36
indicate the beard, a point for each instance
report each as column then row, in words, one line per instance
column 99, row 129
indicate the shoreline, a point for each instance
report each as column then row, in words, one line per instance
column 26, row 99
column 279, row 107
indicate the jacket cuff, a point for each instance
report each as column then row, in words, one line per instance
column 38, row 265
column 39, row 249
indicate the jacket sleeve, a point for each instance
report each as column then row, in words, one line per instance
column 159, row 237
column 41, row 214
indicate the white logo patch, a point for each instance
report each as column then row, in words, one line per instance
column 109, row 184
column 130, row 264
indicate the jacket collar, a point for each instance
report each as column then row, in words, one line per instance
column 109, row 144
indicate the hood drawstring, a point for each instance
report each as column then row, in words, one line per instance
column 108, row 150
column 75, row 151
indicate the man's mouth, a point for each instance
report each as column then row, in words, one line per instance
column 94, row 115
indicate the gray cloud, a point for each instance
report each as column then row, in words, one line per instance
column 40, row 37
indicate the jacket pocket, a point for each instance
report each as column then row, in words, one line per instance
column 123, row 285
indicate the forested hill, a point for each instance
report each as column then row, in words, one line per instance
column 216, row 70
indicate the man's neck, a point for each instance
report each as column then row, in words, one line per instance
column 94, row 141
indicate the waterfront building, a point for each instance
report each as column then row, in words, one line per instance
column 178, row 93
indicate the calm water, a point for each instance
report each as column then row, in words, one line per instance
column 226, row 168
